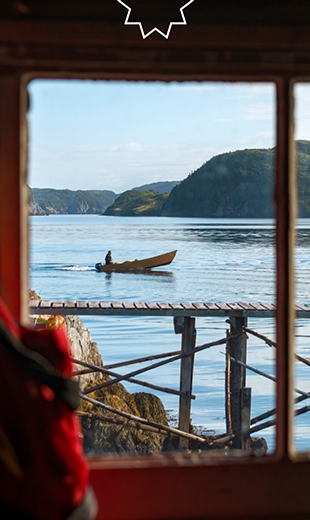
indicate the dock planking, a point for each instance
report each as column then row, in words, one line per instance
column 84, row 307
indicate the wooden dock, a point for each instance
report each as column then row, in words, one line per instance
column 239, row 425
column 84, row 307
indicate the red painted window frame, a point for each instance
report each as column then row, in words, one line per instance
column 176, row 486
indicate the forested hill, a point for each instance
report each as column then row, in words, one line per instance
column 237, row 184
column 46, row 201
column 135, row 203
column 160, row 186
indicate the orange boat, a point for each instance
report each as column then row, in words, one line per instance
column 147, row 263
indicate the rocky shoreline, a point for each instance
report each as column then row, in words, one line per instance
column 103, row 431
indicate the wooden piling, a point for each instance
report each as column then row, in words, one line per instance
column 237, row 349
column 228, row 389
column 245, row 419
column 186, row 378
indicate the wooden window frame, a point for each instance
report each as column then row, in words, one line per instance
column 175, row 486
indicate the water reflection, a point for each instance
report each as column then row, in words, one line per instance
column 237, row 236
column 303, row 237
column 143, row 272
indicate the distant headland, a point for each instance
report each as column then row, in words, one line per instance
column 236, row 184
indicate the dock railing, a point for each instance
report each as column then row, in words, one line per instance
column 239, row 425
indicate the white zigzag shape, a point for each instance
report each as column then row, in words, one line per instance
column 145, row 35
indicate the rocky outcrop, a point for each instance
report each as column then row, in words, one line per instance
column 35, row 209
column 105, row 432
column 83, row 348
column 48, row 201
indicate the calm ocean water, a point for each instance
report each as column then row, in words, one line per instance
column 218, row 260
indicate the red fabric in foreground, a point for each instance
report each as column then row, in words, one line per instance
column 42, row 468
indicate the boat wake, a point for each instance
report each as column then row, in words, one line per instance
column 69, row 268
column 74, row 268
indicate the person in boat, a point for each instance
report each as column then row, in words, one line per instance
column 108, row 258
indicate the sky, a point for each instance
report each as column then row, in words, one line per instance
column 117, row 135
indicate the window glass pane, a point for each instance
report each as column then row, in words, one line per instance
column 302, row 258
column 186, row 167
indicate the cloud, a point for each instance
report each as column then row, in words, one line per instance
column 122, row 167
column 133, row 147
column 199, row 87
column 259, row 111
column 117, row 168
column 251, row 90
column 259, row 140
column 164, row 136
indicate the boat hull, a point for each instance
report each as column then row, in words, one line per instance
column 146, row 263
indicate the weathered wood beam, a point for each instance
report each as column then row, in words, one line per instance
column 286, row 208
column 215, row 11
column 14, row 196
column 237, row 350
column 223, row 35
column 186, row 378
column 257, row 310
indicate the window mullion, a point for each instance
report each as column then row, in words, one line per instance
column 285, row 196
